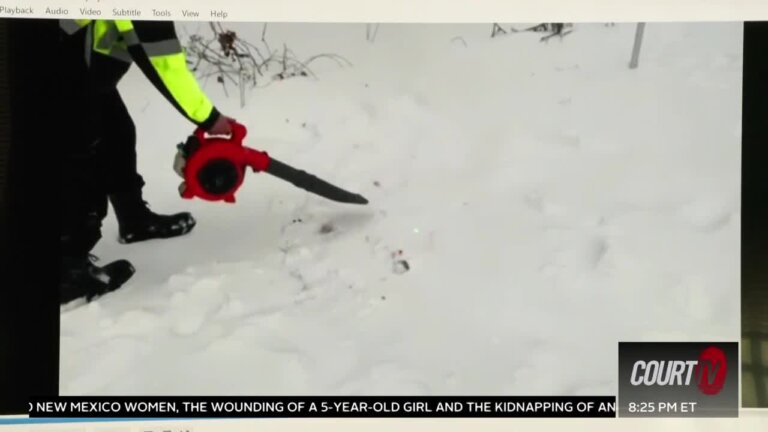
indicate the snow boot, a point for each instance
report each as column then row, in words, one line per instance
column 82, row 279
column 138, row 223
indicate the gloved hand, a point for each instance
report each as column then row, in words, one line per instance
column 223, row 126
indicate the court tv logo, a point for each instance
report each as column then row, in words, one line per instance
column 678, row 379
column 708, row 372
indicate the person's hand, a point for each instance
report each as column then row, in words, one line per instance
column 223, row 126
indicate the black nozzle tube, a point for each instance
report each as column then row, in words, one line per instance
column 311, row 183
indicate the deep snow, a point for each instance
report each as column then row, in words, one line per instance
column 549, row 201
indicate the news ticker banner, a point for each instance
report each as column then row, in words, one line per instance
column 656, row 379
column 386, row 11
column 678, row 379
column 134, row 407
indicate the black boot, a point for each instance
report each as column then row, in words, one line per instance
column 138, row 223
column 82, row 279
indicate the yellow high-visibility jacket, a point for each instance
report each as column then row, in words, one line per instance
column 155, row 48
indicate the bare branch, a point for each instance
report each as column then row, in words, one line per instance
column 230, row 59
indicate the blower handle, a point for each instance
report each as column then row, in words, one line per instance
column 238, row 133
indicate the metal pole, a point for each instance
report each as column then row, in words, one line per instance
column 638, row 43
column 370, row 31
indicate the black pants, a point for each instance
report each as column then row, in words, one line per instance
column 98, row 146
column 100, row 160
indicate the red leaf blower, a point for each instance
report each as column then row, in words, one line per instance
column 215, row 169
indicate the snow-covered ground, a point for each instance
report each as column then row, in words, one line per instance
column 549, row 201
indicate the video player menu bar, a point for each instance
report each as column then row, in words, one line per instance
column 34, row 11
column 372, row 11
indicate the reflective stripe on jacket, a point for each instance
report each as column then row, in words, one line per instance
column 154, row 47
